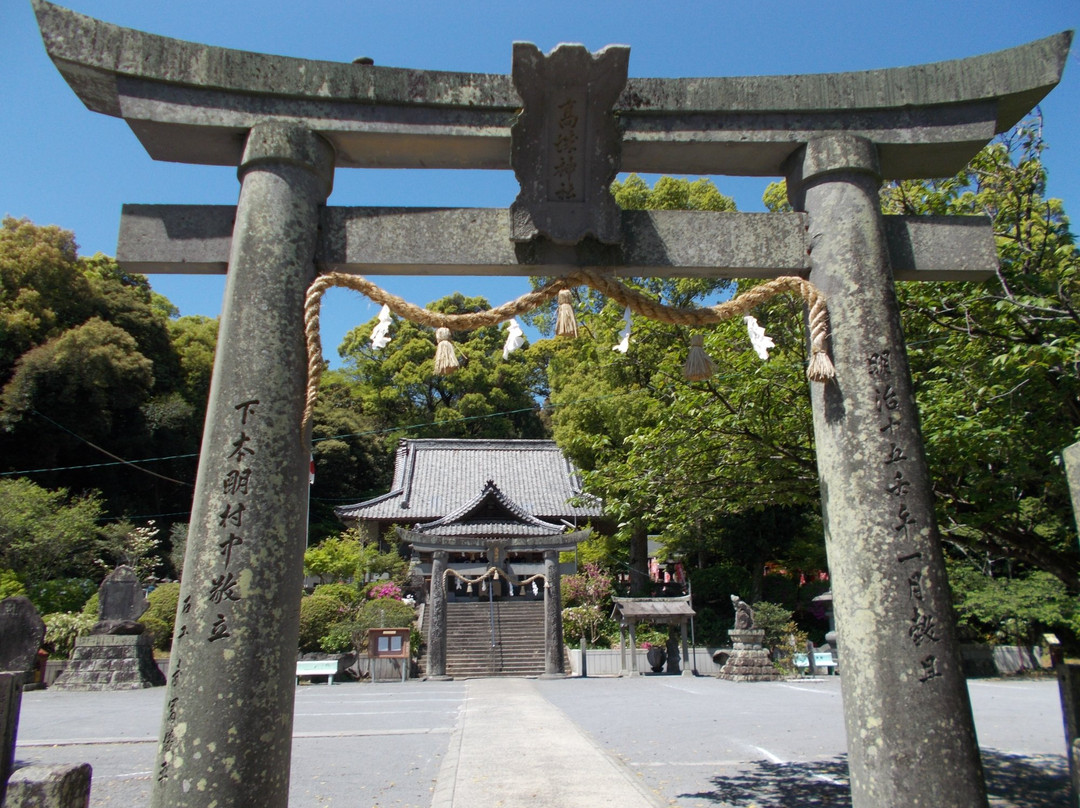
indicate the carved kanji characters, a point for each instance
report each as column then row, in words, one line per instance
column 219, row 630
column 222, row 588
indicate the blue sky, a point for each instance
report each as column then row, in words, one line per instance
column 62, row 164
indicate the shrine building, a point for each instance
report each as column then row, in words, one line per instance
column 485, row 521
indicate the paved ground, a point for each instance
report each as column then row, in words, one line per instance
column 647, row 741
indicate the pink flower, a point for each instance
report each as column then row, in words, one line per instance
column 386, row 590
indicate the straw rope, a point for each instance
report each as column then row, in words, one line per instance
column 820, row 367
column 494, row 572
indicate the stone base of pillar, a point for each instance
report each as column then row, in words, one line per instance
column 749, row 661
column 554, row 676
column 687, row 673
column 442, row 678
column 111, row 662
column 49, row 787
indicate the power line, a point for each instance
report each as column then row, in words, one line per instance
column 99, row 465
column 107, row 453
column 119, row 461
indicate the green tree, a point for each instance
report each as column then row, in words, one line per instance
column 335, row 559
column 48, row 534
column 353, row 455
column 997, row 365
column 600, row 398
column 90, row 376
column 195, row 339
column 1011, row 610
column 347, row 557
column 42, row 290
column 178, row 533
column 487, row 397
column 722, row 469
column 135, row 546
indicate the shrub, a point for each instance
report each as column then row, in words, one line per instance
column 347, row 594
column 384, row 589
column 582, row 621
column 339, row 639
column 590, row 587
column 10, row 585
column 318, row 613
column 381, row 613
column 62, row 629
column 648, row 635
column 90, row 608
column 782, row 637
column 160, row 616
column 60, row 594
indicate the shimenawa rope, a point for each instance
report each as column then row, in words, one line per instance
column 820, row 367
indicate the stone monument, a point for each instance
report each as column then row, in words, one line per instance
column 21, row 634
column 749, row 660
column 117, row 655
column 287, row 124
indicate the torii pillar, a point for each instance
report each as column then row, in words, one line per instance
column 911, row 737
column 226, row 736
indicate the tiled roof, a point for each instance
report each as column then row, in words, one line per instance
column 435, row 477
column 490, row 513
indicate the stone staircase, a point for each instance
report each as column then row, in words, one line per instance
column 519, row 638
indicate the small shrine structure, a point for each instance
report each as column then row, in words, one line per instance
column 664, row 611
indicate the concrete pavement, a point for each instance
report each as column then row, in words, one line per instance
column 644, row 741
column 514, row 748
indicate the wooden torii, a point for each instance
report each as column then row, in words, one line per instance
column 288, row 123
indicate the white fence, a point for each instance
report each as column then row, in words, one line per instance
column 606, row 662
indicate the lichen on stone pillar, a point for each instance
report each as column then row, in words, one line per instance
column 911, row 736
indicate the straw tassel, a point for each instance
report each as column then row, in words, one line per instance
column 820, row 368
column 698, row 364
column 445, row 359
column 566, row 322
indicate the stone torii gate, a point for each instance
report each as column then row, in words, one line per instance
column 288, row 123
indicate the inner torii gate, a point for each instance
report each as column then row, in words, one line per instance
column 288, row 123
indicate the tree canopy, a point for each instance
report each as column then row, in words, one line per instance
column 996, row 363
column 96, row 375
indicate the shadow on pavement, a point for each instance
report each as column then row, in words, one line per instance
column 1013, row 781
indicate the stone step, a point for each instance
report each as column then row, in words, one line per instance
column 519, row 632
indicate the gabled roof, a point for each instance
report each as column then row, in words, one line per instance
column 490, row 513
column 658, row 610
column 437, row 477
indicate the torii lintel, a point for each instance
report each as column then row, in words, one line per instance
column 193, row 103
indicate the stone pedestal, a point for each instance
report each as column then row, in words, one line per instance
column 749, row 661
column 111, row 662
